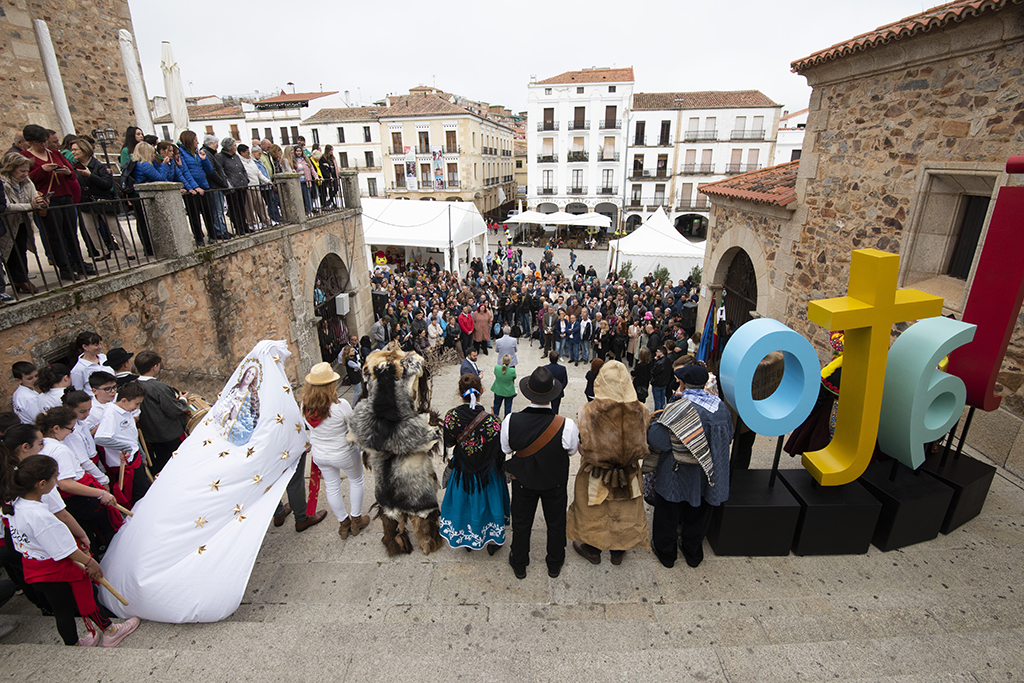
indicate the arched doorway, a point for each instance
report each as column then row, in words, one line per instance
column 740, row 289
column 332, row 279
column 633, row 222
column 576, row 209
column 692, row 226
column 610, row 210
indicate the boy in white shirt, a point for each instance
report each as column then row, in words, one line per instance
column 118, row 435
column 81, row 441
column 104, row 389
column 26, row 398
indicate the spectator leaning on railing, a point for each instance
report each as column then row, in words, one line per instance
column 255, row 209
column 147, row 172
column 234, row 173
column 199, row 168
column 96, row 183
column 266, row 166
column 21, row 198
column 215, row 177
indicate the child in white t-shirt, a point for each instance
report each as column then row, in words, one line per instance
column 51, row 383
column 118, row 435
column 91, row 360
column 26, row 397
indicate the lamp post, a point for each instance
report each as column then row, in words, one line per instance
column 103, row 136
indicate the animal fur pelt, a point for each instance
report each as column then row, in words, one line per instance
column 613, row 441
column 394, row 428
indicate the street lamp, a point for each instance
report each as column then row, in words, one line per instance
column 103, row 136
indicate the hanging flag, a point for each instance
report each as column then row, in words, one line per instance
column 707, row 337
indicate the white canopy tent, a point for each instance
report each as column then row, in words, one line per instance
column 592, row 220
column 528, row 217
column 440, row 226
column 656, row 242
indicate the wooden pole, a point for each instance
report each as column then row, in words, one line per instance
column 145, row 448
column 106, row 584
column 120, row 477
column 123, row 510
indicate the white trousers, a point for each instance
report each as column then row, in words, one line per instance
column 331, row 469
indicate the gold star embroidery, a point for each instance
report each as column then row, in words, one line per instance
column 223, row 454
column 257, row 479
column 249, row 452
column 201, row 522
column 215, row 486
column 207, row 421
column 277, row 358
column 201, row 549
column 287, row 390
column 279, row 419
column 174, row 453
column 298, row 427
column 207, row 442
column 267, row 490
column 307, row 445
column 240, row 518
column 238, row 508
column 284, row 456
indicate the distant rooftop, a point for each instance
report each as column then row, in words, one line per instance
column 200, row 112
column 330, row 114
column 295, row 97
column 704, row 99
column 773, row 185
column 591, row 76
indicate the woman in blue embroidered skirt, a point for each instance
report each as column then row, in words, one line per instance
column 475, row 510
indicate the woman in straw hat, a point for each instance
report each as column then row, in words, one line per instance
column 328, row 417
column 475, row 510
column 607, row 512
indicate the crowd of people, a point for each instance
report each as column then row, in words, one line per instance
column 60, row 189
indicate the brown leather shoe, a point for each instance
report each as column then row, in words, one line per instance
column 279, row 519
column 592, row 558
column 359, row 523
column 617, row 556
column 310, row 521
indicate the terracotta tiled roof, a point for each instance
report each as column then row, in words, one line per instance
column 592, row 76
column 773, row 185
column 345, row 114
column 519, row 147
column 295, row 97
column 925, row 21
column 787, row 117
column 200, row 112
column 706, row 99
column 420, row 105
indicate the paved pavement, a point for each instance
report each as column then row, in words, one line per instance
column 319, row 608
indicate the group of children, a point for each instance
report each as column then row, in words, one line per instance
column 62, row 489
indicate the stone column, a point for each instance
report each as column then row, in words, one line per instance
column 350, row 188
column 289, row 187
column 165, row 214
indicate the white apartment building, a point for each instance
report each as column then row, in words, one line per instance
column 679, row 140
column 279, row 118
column 576, row 141
column 354, row 133
column 791, row 136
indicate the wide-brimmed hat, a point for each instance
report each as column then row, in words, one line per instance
column 322, row 373
column 117, row 357
column 613, row 383
column 541, row 386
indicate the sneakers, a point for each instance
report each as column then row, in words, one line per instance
column 6, row 298
column 118, row 632
column 89, row 639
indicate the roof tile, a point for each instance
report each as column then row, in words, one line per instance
column 199, row 112
column 329, row 114
column 591, row 76
column 773, row 185
column 705, row 99
column 420, row 105
column 295, row 97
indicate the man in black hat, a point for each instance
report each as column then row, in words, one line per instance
column 119, row 361
column 540, row 443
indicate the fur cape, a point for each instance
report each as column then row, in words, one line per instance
column 613, row 441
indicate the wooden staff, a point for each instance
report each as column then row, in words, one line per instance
column 120, row 477
column 148, row 461
column 106, row 584
column 123, row 510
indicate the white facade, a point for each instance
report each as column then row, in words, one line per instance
column 791, row 136
column 576, row 142
column 280, row 120
column 354, row 133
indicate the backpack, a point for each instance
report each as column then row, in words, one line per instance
column 126, row 184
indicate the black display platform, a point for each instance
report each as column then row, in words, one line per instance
column 756, row 520
column 914, row 504
column 970, row 480
column 834, row 520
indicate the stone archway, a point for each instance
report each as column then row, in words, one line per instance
column 692, row 226
column 716, row 267
column 740, row 288
column 332, row 279
column 326, row 261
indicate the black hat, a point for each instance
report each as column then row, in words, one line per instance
column 116, row 357
column 541, row 386
column 693, row 375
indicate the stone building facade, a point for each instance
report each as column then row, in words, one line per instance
column 84, row 36
column 907, row 138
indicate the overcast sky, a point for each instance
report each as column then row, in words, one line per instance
column 488, row 51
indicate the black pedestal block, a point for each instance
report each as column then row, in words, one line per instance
column 756, row 520
column 970, row 480
column 914, row 505
column 834, row 520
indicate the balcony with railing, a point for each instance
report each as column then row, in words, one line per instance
column 578, row 156
column 650, row 203
column 606, row 157
column 581, row 189
column 423, row 150
column 579, row 124
column 506, row 152
column 664, row 141
column 506, row 179
column 693, row 135
column 608, row 190
column 452, row 150
column 747, row 135
column 398, row 184
column 639, row 140
column 547, row 125
column 610, row 124
column 701, row 203
column 697, row 169
column 741, row 168
column 453, row 184
column 396, row 152
column 547, row 158
column 547, row 190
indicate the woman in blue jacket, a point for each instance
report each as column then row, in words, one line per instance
column 146, row 172
column 198, row 203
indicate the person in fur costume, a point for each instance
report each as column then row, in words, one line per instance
column 394, row 427
column 607, row 512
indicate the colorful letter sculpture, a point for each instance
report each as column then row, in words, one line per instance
column 867, row 315
column 787, row 407
column 920, row 402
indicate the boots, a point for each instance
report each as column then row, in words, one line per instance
column 359, row 523
column 344, row 527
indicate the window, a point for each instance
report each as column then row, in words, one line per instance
column 344, row 159
column 607, row 178
column 519, row 163
column 396, row 142
column 752, row 155
column 579, row 90
column 295, row 133
column 638, row 138
column 705, row 161
column 693, row 125
column 268, row 133
column 664, row 138
column 741, row 124
column 209, row 130
column 316, row 136
column 371, row 186
column 425, row 180
column 547, row 91
column 709, row 123
column 690, row 161
column 368, row 156
column 549, row 118
column 474, row 140
column 255, row 133
column 234, row 131
column 285, row 140
column 366, row 134
column 758, row 123
column 611, row 88
column 662, row 165
column 638, row 164
column 577, row 178
column 794, row 155
column 341, row 135
column 449, row 142
column 424, row 138
column 686, row 195
column 453, row 174
column 659, row 194
column 635, row 191
column 548, row 179
column 167, row 133
column 400, row 175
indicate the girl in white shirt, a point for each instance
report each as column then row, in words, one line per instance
column 51, row 383
column 91, row 360
column 327, row 417
column 51, row 555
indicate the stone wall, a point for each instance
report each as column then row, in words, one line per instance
column 203, row 312
column 883, row 124
column 84, row 35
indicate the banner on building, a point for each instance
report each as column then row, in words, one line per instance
column 410, row 170
column 437, row 166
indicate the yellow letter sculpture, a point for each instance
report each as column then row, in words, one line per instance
column 867, row 315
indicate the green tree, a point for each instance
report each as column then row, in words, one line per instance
column 696, row 273
column 626, row 270
column 661, row 273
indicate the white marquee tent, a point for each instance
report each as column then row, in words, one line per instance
column 656, row 242
column 436, row 226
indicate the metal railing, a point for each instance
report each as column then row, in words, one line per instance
column 579, row 124
column 608, row 157
column 652, row 203
column 577, row 156
column 639, row 140
column 547, row 158
column 506, row 179
column 452, row 184
column 699, row 203
column 747, row 135
column 691, row 135
column 607, row 190
column 664, row 142
column 547, row 125
column 318, row 197
column 697, row 168
column 741, row 168
column 547, row 190
column 423, row 150
column 577, row 190
column 610, row 124
column 453, row 150
column 396, row 153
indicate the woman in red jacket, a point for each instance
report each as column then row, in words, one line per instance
column 52, row 173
